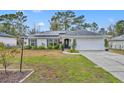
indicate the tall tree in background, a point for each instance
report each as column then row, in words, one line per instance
column 102, row 31
column 69, row 21
column 54, row 23
column 13, row 23
column 119, row 27
column 94, row 27
column 7, row 23
column 66, row 19
column 62, row 20
column 111, row 30
column 79, row 23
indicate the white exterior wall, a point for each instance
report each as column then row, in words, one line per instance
column 26, row 42
column 117, row 45
column 8, row 41
column 90, row 44
column 42, row 42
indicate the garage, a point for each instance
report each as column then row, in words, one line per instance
column 90, row 44
column 86, row 40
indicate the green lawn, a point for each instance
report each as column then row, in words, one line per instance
column 53, row 66
column 118, row 51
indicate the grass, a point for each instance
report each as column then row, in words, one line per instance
column 53, row 66
column 73, row 51
column 117, row 51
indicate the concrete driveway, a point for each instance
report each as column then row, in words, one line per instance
column 111, row 62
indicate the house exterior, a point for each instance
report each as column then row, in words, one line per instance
column 85, row 40
column 117, row 42
column 7, row 39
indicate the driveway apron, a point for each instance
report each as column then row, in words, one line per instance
column 111, row 62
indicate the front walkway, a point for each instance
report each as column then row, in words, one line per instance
column 111, row 62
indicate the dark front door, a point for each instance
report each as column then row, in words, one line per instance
column 66, row 43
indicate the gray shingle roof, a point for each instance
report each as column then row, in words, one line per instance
column 70, row 33
column 5, row 35
column 49, row 34
column 118, row 38
column 80, row 33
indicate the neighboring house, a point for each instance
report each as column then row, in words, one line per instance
column 85, row 40
column 7, row 39
column 117, row 42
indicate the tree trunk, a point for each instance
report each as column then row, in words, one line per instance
column 5, row 67
column 22, row 48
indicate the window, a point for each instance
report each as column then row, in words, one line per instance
column 52, row 41
column 33, row 42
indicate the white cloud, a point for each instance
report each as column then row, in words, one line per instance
column 37, row 11
column 111, row 20
column 41, row 24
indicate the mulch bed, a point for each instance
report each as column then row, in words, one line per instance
column 12, row 76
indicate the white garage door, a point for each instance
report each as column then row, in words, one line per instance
column 90, row 44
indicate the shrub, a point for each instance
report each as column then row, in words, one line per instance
column 56, row 46
column 50, row 47
column 62, row 47
column 34, row 47
column 73, row 51
column 28, row 47
column 41, row 47
column 106, row 43
column 6, row 55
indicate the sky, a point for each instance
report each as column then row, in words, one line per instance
column 41, row 17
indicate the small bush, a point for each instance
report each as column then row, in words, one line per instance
column 34, row 47
column 106, row 43
column 62, row 47
column 50, row 47
column 56, row 47
column 41, row 47
column 73, row 51
column 28, row 47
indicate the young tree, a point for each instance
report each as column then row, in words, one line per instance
column 3, row 56
column 21, row 30
column 14, row 24
column 6, row 55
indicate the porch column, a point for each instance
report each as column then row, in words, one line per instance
column 29, row 41
column 53, row 42
column 71, row 42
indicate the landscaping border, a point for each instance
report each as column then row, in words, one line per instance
column 32, row 71
column 65, row 52
column 26, row 76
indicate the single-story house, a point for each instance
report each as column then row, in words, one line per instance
column 85, row 40
column 117, row 42
column 7, row 39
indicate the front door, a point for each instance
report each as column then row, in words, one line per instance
column 66, row 43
